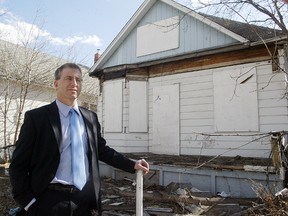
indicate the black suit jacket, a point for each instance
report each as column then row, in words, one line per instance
column 36, row 157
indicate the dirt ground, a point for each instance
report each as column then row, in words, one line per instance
column 118, row 196
column 6, row 201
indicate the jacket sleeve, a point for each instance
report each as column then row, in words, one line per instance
column 20, row 163
column 111, row 156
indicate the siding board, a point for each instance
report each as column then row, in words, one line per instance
column 197, row 108
column 273, row 111
column 197, row 36
column 197, row 115
column 196, row 100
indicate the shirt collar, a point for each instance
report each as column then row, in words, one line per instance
column 64, row 109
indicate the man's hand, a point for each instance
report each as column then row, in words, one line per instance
column 142, row 165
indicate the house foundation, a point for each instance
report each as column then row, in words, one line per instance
column 240, row 180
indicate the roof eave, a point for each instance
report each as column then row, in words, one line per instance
column 270, row 40
column 100, row 72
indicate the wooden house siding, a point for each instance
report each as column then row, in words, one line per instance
column 100, row 111
column 216, row 93
column 201, row 117
column 197, row 113
column 197, row 117
column 194, row 35
column 272, row 103
column 123, row 141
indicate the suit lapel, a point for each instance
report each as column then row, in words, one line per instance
column 54, row 119
column 88, row 125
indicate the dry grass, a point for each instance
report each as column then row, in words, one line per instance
column 270, row 204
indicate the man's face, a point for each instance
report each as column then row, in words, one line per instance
column 68, row 87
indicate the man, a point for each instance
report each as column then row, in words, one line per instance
column 42, row 169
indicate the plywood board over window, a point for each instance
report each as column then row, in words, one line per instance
column 113, row 106
column 138, row 108
column 235, row 99
column 157, row 37
column 166, row 120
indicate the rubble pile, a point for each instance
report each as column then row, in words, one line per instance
column 119, row 199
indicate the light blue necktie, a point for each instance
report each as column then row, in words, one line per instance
column 77, row 148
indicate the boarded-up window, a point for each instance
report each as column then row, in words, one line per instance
column 235, row 99
column 113, row 106
column 138, row 106
column 165, row 137
column 157, row 37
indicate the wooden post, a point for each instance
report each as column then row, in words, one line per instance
column 276, row 154
column 139, row 193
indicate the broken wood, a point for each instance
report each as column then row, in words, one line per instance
column 164, row 197
column 158, row 209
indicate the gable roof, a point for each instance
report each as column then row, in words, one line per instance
column 251, row 32
column 235, row 30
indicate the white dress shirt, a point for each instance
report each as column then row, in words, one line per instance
column 64, row 171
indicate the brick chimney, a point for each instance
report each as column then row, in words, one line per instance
column 97, row 56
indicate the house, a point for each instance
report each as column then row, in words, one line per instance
column 26, row 82
column 181, row 83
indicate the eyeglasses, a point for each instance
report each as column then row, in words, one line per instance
column 71, row 79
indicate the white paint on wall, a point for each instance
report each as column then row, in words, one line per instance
column 166, row 120
column 157, row 37
column 197, row 115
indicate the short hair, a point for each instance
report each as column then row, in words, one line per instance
column 57, row 74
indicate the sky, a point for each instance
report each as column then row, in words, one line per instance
column 71, row 29
column 74, row 29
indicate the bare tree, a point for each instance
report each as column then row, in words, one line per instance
column 23, row 69
column 270, row 13
column 26, row 77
